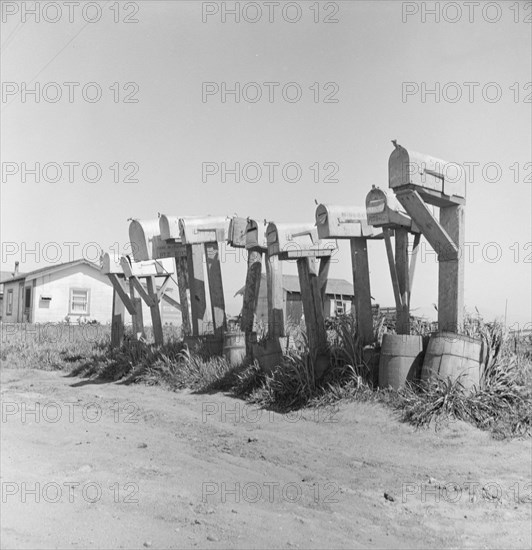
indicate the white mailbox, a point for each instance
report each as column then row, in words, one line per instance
column 147, row 268
column 256, row 235
column 342, row 222
column 110, row 263
column 426, row 172
column 384, row 209
column 296, row 240
column 204, row 230
column 169, row 228
column 237, row 232
column 146, row 241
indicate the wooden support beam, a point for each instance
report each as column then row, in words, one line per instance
column 451, row 272
column 137, row 317
column 155, row 312
column 323, row 275
column 119, row 289
column 196, row 279
column 313, row 310
column 433, row 230
column 251, row 291
column 401, row 264
column 393, row 269
column 161, row 290
column 148, row 300
column 362, row 289
column 184, row 292
column 117, row 322
column 216, row 289
column 413, row 261
column 169, row 300
column 276, row 310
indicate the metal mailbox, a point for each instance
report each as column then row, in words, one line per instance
column 169, row 228
column 256, row 235
column 237, row 232
column 110, row 263
column 342, row 222
column 296, row 239
column 426, row 172
column 204, row 230
column 147, row 268
column 146, row 241
column 383, row 209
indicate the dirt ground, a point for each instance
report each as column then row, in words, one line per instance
column 87, row 465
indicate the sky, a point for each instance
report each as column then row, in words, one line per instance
column 349, row 77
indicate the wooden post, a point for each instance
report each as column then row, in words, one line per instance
column 251, row 295
column 216, row 289
column 401, row 264
column 196, row 279
column 451, row 272
column 117, row 322
column 183, row 287
column 137, row 318
column 362, row 289
column 155, row 311
column 274, row 280
column 312, row 306
column 413, row 261
column 323, row 275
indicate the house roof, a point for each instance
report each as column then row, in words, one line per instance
column 44, row 271
column 291, row 284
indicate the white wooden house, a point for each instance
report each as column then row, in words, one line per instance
column 74, row 291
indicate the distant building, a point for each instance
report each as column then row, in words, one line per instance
column 338, row 298
column 76, row 291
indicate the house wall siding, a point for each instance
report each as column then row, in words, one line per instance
column 15, row 315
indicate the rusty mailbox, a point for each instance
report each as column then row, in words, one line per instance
column 342, row 222
column 384, row 210
column 204, row 230
column 409, row 168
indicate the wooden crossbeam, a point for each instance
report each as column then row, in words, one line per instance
column 119, row 289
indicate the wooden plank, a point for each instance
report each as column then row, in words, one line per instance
column 323, row 275
column 148, row 300
column 117, row 322
column 251, row 290
column 276, row 309
column 184, row 292
column 307, row 253
column 155, row 312
column 137, row 317
column 216, row 289
column 362, row 289
column 169, row 300
column 413, row 261
column 196, row 279
column 437, row 236
column 119, row 289
column 401, row 264
column 393, row 269
column 451, row 273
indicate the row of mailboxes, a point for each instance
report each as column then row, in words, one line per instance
column 426, row 172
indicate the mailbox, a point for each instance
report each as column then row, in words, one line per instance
column 342, row 222
column 296, row 240
column 169, row 228
column 384, row 209
column 255, row 235
column 237, row 232
column 426, row 172
column 147, row 268
column 204, row 230
column 110, row 263
column 146, row 241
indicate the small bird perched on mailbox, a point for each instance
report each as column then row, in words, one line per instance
column 394, row 141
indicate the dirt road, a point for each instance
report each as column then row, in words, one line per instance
column 88, row 465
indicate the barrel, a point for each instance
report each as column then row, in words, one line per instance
column 235, row 347
column 453, row 356
column 400, row 361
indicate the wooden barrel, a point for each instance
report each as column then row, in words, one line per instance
column 235, row 347
column 400, row 360
column 451, row 355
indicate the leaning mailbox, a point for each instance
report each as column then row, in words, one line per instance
column 110, row 263
column 342, row 222
column 147, row 268
column 296, row 240
column 204, row 230
column 146, row 241
column 256, row 235
column 384, row 210
column 237, row 232
column 426, row 173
